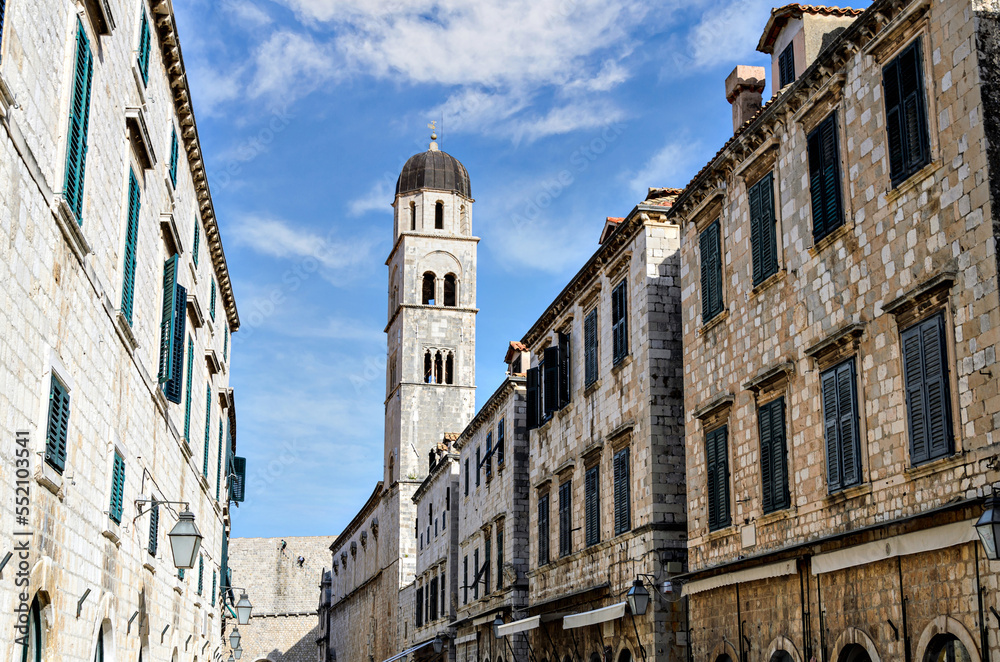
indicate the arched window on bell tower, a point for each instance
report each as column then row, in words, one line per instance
column 428, row 368
column 413, row 216
column 427, row 289
column 450, row 290
column 449, row 369
column 438, row 368
column 439, row 215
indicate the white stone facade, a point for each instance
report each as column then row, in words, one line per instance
column 95, row 580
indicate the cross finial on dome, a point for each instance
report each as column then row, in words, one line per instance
column 432, row 126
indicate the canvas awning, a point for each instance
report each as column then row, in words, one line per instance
column 779, row 569
column 519, row 626
column 408, row 651
column 594, row 616
column 467, row 639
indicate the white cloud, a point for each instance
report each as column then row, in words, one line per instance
column 247, row 13
column 212, row 89
column 290, row 65
column 672, row 165
column 277, row 238
column 378, row 198
column 728, row 34
column 565, row 119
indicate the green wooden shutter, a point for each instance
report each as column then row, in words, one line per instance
column 565, row 381
column 225, row 343
column 824, row 178
column 763, row 231
column 487, row 558
column 131, row 246
column 188, row 394
column 500, row 555
column 117, row 489
column 927, row 398
column 201, row 574
column 488, row 460
column 773, row 455
column 565, row 519
column 466, row 476
column 144, row 48
column 590, row 347
column 173, row 157
column 57, row 429
column 3, row 7
column 197, row 242
column 465, row 579
column 172, row 389
column 623, row 497
column 154, row 529
column 239, row 489
column 532, row 396
column 500, row 443
column 214, row 583
column 786, row 66
column 419, row 604
column 211, row 302
column 717, row 463
column 550, row 380
column 591, row 505
column 79, row 120
column 208, row 427
column 543, row 530
column 224, row 568
column 831, row 428
column 710, row 246
column 619, row 321
column 906, row 114
column 218, row 473
column 168, row 319
column 848, row 424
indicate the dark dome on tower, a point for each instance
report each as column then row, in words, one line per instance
column 433, row 169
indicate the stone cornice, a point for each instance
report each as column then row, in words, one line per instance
column 425, row 485
column 356, row 523
column 509, row 385
column 173, row 62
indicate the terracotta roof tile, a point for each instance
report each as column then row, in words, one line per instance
column 781, row 15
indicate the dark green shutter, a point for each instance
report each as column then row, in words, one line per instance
column 619, row 321
column 927, row 399
column 79, row 120
column 786, row 66
column 154, row 529
column 57, row 430
column 487, row 558
column 710, row 247
column 565, row 519
column 201, row 574
column 218, row 473
column 564, row 369
column 188, row 394
column 208, row 427
column 773, row 455
column 840, row 422
column 214, row 581
column 173, row 158
column 591, row 506
column 239, row 488
column 590, row 347
column 488, row 460
column 763, row 229
column 131, row 246
column 144, row 48
column 824, row 178
column 500, row 554
column 168, row 319
column 831, row 427
column 419, row 612
column 500, row 442
column 225, row 343
column 550, row 380
column 532, row 396
column 3, row 7
column 479, row 469
column 543, row 530
column 211, row 302
column 623, row 496
column 224, row 568
column 117, row 489
column 717, row 462
column 466, row 476
column 465, row 579
column 172, row 389
column 906, row 114
column 197, row 242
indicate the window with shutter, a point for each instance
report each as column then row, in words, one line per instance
column 433, row 596
column 214, row 583
column 144, row 48
column 465, row 579
column 543, row 530
column 172, row 388
column 710, row 247
column 131, row 242
column 420, row 607
column 590, row 347
column 619, row 321
column 824, row 178
column 196, row 243
column 173, row 158
column 550, row 381
column 532, row 396
column 218, row 473
column 623, row 498
column 840, row 424
column 225, row 343
column 592, row 505
column 487, row 558
column 154, row 529
column 187, row 393
column 239, row 489
column 786, row 66
column 763, row 229
column 57, row 428
column 500, row 554
column 488, row 460
column 211, row 301
column 168, row 319
column 565, row 519
column 500, row 444
column 717, row 461
column 565, row 381
column 479, row 466
column 475, row 581
column 928, row 403
column 79, row 120
column 208, row 427
column 906, row 114
column 117, row 489
column 773, row 455
column 3, row 7
column 466, row 476
column 201, row 574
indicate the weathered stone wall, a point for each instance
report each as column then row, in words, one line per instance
column 60, row 313
column 437, row 545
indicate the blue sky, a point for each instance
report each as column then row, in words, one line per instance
column 563, row 112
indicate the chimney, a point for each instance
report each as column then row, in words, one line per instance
column 744, row 88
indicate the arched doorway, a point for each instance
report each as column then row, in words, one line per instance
column 781, row 656
column 32, row 652
column 947, row 648
column 625, row 655
column 724, row 658
column 854, row 653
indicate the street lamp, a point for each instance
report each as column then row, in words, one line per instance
column 237, row 653
column 234, row 639
column 243, row 609
column 637, row 598
column 231, row 658
column 438, row 644
column 988, row 527
column 496, row 626
column 185, row 540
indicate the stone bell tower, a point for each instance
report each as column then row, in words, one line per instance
column 431, row 371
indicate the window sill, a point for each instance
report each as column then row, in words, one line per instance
column 830, row 239
column 848, row 493
column 618, row 367
column 70, row 226
column 50, row 479
column 6, row 98
column 719, row 534
column 935, row 466
column 139, row 85
column 912, row 182
column 112, row 532
column 776, row 516
column 768, row 282
column 150, row 565
column 714, row 322
column 124, row 330
column 591, row 388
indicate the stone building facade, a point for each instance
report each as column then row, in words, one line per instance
column 839, row 279
column 606, row 495
column 117, row 314
column 493, row 529
column 281, row 575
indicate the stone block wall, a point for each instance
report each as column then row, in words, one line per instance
column 437, row 514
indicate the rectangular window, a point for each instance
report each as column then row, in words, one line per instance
column 215, row 580
column 225, row 343
column 619, row 321
column 773, row 455
column 208, row 427
column 717, row 461
column 824, row 178
column 218, row 473
column 840, row 422
column 465, row 579
column 154, row 529
column 3, row 6
column 144, row 48
column 466, row 476
column 173, row 158
column 479, row 466
column 196, row 243
column 238, row 491
column 543, row 529
column 420, row 607
column 710, row 247
column 187, row 394
column 763, row 229
column 171, row 370
column 487, row 558
column 201, row 574
column 565, row 519
column 475, row 566
column 117, row 489
column 489, row 455
column 786, row 66
column 928, row 403
column 550, row 381
column 79, row 119
column 442, row 586
column 623, row 497
column 211, row 302
column 906, row 114
column 500, row 448
column 592, row 505
column 500, row 554
column 533, row 396
column 57, row 429
column 433, row 594
column 131, row 241
column 565, row 381
column 590, row 347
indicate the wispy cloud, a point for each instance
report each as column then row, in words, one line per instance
column 672, row 165
column 280, row 239
column 378, row 198
column 290, row 65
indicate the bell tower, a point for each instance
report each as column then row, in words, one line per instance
column 431, row 330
